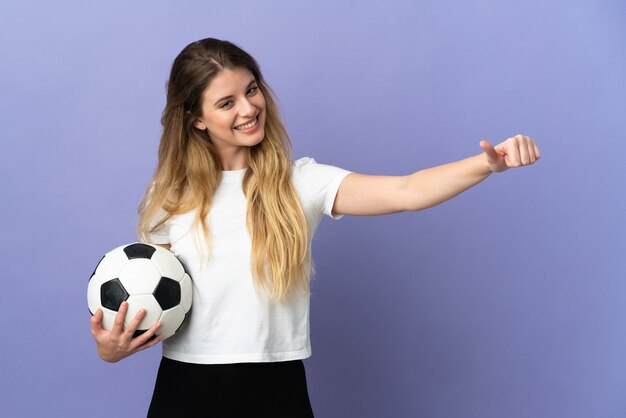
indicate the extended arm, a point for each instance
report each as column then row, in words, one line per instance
column 361, row 194
column 432, row 186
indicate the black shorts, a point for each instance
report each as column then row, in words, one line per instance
column 240, row 390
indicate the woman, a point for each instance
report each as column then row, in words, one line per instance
column 228, row 200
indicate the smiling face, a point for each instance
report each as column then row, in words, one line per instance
column 233, row 111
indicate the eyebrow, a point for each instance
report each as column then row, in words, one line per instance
column 228, row 97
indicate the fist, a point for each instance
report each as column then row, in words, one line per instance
column 517, row 151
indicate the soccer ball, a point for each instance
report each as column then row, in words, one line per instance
column 147, row 276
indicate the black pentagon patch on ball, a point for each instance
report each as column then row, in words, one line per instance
column 167, row 293
column 112, row 294
column 139, row 251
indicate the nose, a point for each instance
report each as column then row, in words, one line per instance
column 247, row 109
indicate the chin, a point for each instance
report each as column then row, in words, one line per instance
column 260, row 139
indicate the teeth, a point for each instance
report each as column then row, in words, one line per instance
column 248, row 125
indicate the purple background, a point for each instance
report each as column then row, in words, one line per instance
column 507, row 301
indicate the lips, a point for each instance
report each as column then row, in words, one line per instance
column 249, row 121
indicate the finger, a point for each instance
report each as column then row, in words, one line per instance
column 537, row 153
column 492, row 156
column 96, row 322
column 149, row 344
column 523, row 150
column 132, row 327
column 531, row 151
column 512, row 152
column 118, row 325
column 143, row 338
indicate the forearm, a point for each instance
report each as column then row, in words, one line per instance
column 432, row 186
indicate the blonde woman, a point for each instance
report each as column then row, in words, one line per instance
column 228, row 200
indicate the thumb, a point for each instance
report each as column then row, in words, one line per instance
column 492, row 155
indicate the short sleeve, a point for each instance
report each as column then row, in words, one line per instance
column 161, row 235
column 322, row 182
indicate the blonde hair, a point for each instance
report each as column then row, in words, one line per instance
column 189, row 171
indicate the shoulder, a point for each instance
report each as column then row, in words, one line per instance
column 302, row 168
column 303, row 162
column 316, row 175
column 321, row 181
column 309, row 166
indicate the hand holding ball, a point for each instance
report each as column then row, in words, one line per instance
column 156, row 290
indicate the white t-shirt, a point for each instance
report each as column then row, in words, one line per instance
column 230, row 322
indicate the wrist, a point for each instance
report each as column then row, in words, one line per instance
column 484, row 166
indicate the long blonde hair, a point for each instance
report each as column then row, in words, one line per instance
column 189, row 171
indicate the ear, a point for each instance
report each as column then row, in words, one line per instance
column 199, row 125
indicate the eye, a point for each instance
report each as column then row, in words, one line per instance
column 227, row 103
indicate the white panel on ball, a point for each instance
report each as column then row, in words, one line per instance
column 147, row 302
column 108, row 318
column 140, row 276
column 112, row 264
column 93, row 293
column 168, row 264
column 186, row 292
column 171, row 320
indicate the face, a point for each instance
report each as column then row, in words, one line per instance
column 233, row 110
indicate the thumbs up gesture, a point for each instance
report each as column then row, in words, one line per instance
column 516, row 151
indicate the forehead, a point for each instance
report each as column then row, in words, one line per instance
column 228, row 81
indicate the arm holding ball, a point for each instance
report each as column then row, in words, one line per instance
column 118, row 343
